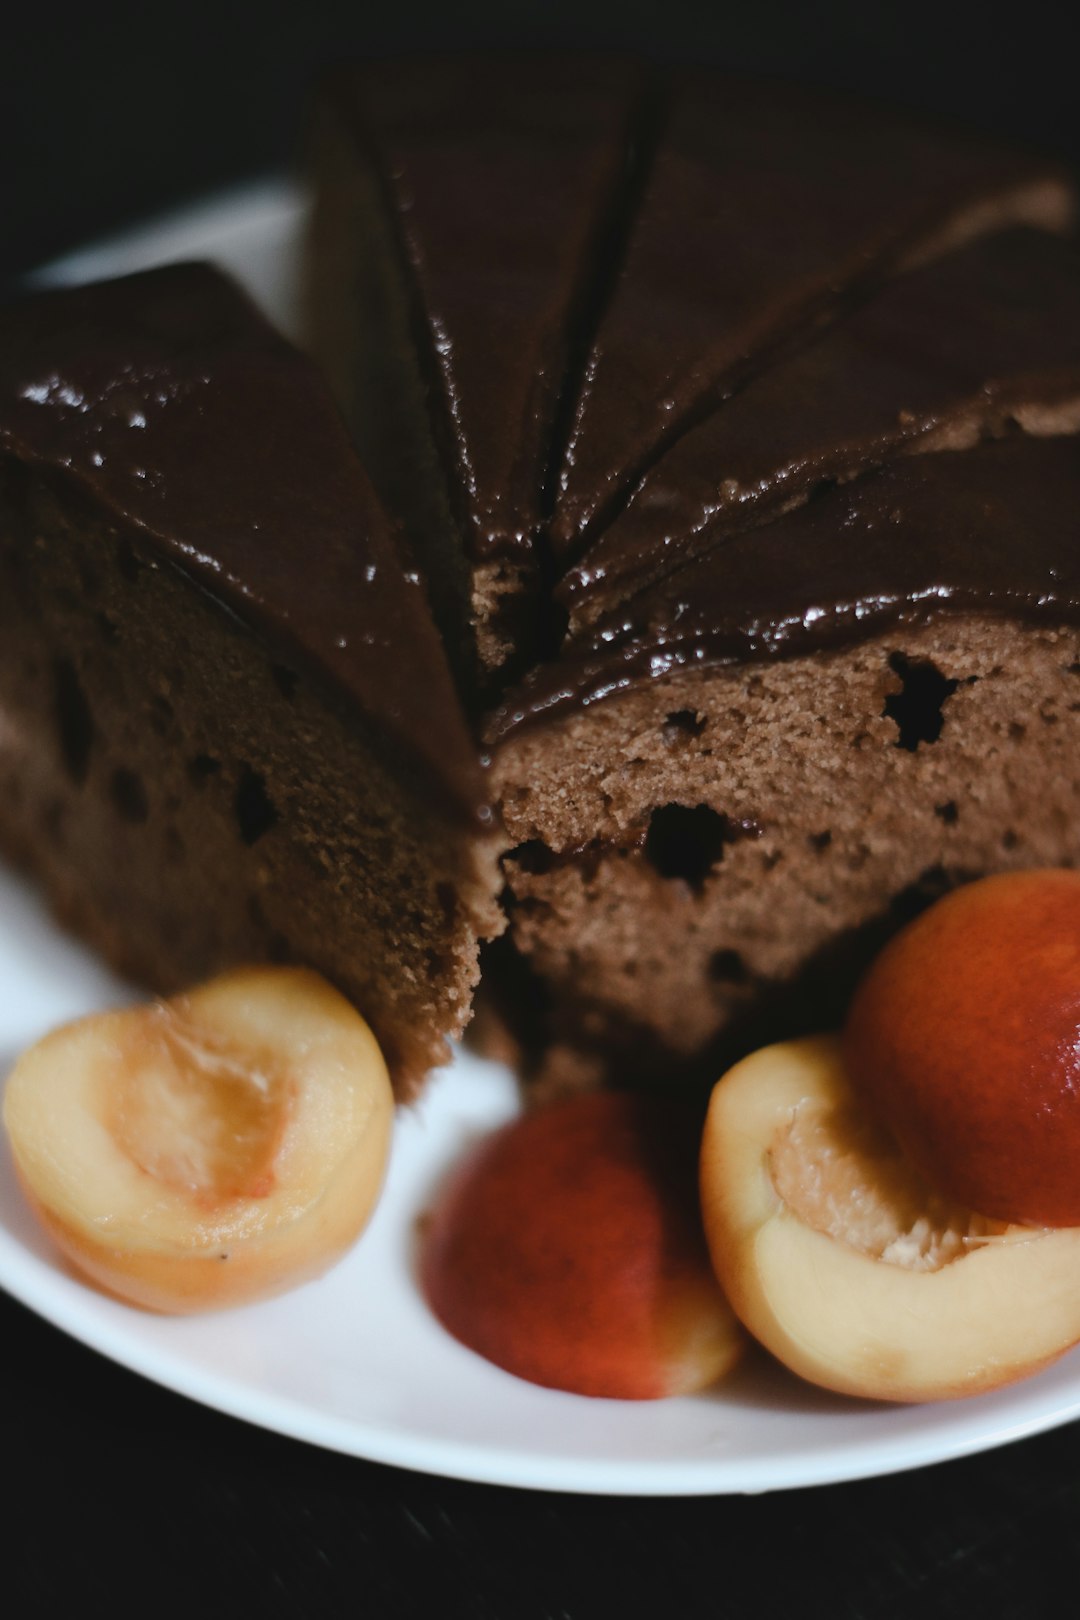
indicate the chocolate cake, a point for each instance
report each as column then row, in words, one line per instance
column 732, row 432
column 798, row 583
column 228, row 730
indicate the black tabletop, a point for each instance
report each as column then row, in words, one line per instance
column 127, row 1499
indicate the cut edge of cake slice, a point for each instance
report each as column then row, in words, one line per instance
column 229, row 731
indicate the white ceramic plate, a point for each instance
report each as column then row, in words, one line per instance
column 355, row 1362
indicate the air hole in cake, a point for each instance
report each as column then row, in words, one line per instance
column 917, row 708
column 727, row 967
column 129, row 796
column 1009, row 839
column 1017, row 730
column 252, row 806
column 107, row 629
column 202, row 767
column 285, row 680
column 533, row 857
column 681, row 725
column 74, row 722
column 686, row 841
column 948, row 812
column 447, row 898
column 820, row 841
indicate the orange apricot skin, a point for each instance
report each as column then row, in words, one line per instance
column 965, row 1036
column 568, row 1250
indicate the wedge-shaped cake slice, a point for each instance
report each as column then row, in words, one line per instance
column 728, row 794
column 976, row 344
column 228, row 731
column 463, row 213
column 767, row 208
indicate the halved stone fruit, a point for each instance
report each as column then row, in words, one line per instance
column 964, row 1037
column 842, row 1261
column 208, row 1150
column 568, row 1250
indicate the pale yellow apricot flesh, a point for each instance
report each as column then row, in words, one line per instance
column 210, row 1150
column 846, row 1266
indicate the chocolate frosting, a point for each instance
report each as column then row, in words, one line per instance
column 179, row 411
column 504, row 179
column 992, row 530
column 766, row 209
column 957, row 348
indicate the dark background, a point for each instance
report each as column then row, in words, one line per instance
column 129, row 1500
column 110, row 110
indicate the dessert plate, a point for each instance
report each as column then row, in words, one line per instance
column 355, row 1361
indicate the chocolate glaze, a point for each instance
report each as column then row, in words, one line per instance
column 180, row 412
column 504, row 180
column 993, row 530
column 767, row 207
column 958, row 347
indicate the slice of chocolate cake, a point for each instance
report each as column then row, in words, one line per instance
column 463, row 217
column 762, row 735
column 227, row 726
column 725, row 796
column 810, row 676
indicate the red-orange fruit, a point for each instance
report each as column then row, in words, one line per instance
column 965, row 1037
column 568, row 1249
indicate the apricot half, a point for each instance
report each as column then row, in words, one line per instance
column 841, row 1260
column 209, row 1150
column 965, row 1037
column 568, row 1249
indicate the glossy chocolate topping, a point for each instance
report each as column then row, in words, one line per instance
column 950, row 352
column 505, row 181
column 991, row 530
column 180, row 412
column 766, row 208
